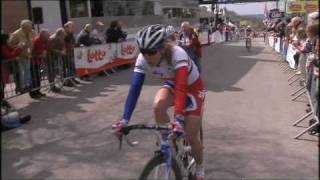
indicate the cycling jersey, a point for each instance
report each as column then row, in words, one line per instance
column 165, row 71
column 248, row 31
column 189, row 95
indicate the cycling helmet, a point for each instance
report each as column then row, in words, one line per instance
column 151, row 37
column 170, row 30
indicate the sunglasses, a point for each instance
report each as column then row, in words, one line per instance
column 149, row 52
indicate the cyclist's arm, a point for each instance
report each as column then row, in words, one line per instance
column 134, row 92
column 181, row 79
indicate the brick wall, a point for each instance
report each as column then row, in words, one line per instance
column 12, row 12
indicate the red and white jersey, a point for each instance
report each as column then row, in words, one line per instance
column 166, row 71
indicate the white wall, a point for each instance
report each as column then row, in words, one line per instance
column 51, row 14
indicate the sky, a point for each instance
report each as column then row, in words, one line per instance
column 249, row 8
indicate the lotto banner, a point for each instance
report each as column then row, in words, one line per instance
column 126, row 53
column 89, row 60
column 291, row 51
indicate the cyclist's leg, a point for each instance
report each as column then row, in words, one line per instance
column 192, row 129
column 162, row 101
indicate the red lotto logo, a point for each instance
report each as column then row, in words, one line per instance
column 95, row 55
column 127, row 49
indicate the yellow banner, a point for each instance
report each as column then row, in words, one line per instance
column 311, row 6
column 303, row 6
column 295, row 7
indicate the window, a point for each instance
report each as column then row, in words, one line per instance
column 78, row 8
column 96, row 8
column 122, row 7
column 148, row 8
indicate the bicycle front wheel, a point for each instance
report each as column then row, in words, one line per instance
column 156, row 169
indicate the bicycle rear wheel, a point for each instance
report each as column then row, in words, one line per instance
column 156, row 169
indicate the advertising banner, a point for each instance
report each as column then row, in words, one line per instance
column 94, row 58
column 290, row 53
column 277, row 45
column 303, row 6
column 271, row 41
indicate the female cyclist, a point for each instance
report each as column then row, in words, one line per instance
column 182, row 88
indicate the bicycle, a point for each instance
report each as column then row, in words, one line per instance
column 248, row 43
column 179, row 164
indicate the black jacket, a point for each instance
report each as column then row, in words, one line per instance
column 114, row 35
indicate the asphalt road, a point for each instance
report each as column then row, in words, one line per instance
column 247, row 125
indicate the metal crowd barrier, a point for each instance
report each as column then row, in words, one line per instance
column 20, row 76
column 307, row 88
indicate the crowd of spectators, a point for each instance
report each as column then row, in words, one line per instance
column 28, row 58
column 303, row 35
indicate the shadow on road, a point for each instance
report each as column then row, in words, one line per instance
column 226, row 64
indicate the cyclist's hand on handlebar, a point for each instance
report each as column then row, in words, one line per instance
column 177, row 126
column 117, row 125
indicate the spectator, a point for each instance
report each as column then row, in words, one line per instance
column 39, row 53
column 69, row 64
column 114, row 33
column 54, row 61
column 98, row 33
column 313, row 18
column 171, row 33
column 297, row 43
column 7, row 54
column 84, row 37
column 296, row 24
column 226, row 31
column 25, row 34
column 189, row 41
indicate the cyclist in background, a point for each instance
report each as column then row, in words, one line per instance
column 249, row 31
column 183, row 88
column 248, row 34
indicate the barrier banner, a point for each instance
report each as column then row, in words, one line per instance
column 277, row 45
column 271, row 41
column 203, row 36
column 126, row 53
column 93, row 59
column 291, row 51
column 217, row 37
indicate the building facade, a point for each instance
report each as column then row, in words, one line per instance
column 12, row 12
column 130, row 13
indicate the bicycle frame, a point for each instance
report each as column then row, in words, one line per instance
column 178, row 148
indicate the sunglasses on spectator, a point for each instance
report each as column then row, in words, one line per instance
column 149, row 52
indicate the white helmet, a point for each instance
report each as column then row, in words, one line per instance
column 248, row 26
column 170, row 30
column 151, row 37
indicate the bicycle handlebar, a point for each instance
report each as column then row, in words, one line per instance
column 126, row 130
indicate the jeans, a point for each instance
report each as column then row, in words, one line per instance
column 25, row 73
